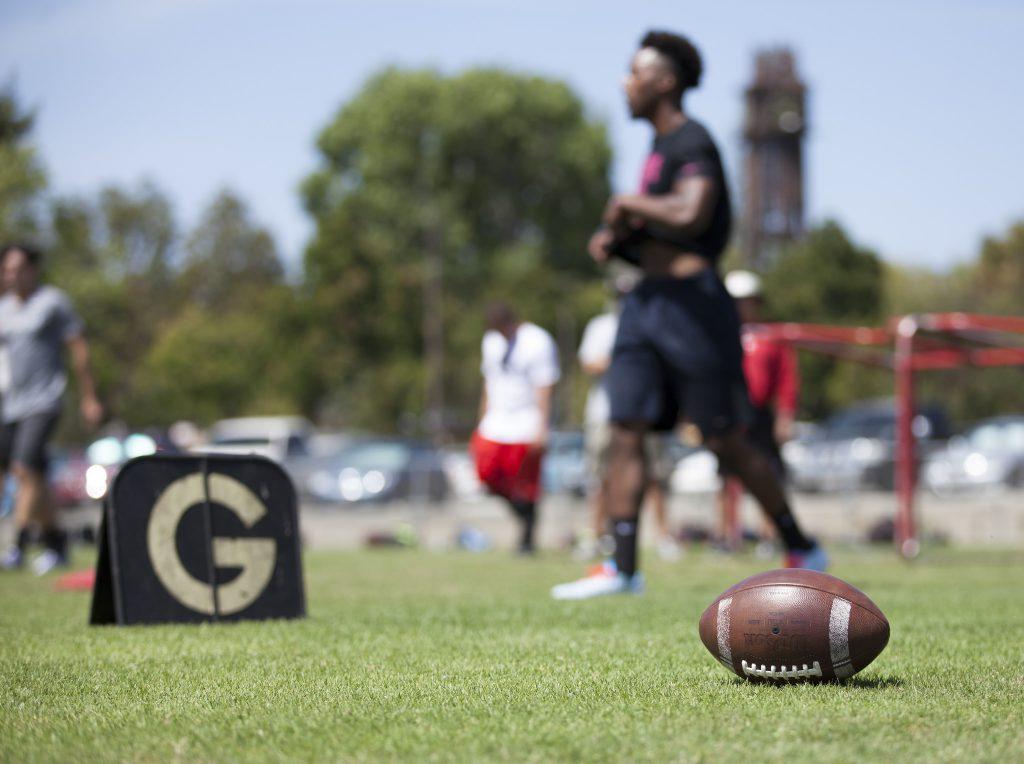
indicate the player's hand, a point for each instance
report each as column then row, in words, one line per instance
column 615, row 216
column 92, row 410
column 600, row 245
column 540, row 444
column 783, row 429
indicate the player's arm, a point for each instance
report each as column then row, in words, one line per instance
column 545, row 394
column 686, row 211
column 787, row 392
column 92, row 409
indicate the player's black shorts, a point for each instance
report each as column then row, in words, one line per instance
column 25, row 441
column 678, row 356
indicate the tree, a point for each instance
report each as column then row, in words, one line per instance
column 999, row 273
column 115, row 256
column 826, row 278
column 228, row 257
column 435, row 195
column 21, row 174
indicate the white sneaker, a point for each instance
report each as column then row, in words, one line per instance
column 47, row 561
column 602, row 580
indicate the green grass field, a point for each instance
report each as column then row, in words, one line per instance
column 411, row 656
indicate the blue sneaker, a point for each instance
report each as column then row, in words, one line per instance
column 814, row 558
column 12, row 559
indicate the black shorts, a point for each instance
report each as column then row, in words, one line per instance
column 678, row 356
column 25, row 441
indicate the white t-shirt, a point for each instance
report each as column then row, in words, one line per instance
column 596, row 347
column 512, row 376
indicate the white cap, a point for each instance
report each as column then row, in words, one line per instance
column 743, row 284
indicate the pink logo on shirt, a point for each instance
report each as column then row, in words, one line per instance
column 652, row 171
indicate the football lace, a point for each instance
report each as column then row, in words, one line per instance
column 782, row 672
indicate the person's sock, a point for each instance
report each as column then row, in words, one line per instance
column 527, row 512
column 624, row 533
column 790, row 532
column 24, row 538
column 57, row 540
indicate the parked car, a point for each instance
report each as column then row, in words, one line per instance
column 564, row 469
column 461, row 471
column 696, row 472
column 275, row 437
column 855, row 448
column 989, row 454
column 67, row 477
column 106, row 456
column 377, row 470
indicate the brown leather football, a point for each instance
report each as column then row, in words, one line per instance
column 794, row 625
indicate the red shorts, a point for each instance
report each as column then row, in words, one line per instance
column 511, row 470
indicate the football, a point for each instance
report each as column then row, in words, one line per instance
column 794, row 625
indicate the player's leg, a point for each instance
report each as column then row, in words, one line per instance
column 597, row 441
column 526, row 511
column 705, row 360
column 627, row 479
column 14, row 556
column 659, row 472
column 636, row 390
column 626, row 487
column 498, row 466
column 30, row 462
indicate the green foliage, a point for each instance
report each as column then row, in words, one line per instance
column 826, row 279
column 228, row 258
column 999, row 276
column 21, row 173
column 203, row 337
column 496, row 178
column 208, row 364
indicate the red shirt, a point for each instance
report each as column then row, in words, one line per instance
column 771, row 371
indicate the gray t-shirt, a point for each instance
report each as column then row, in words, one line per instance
column 32, row 338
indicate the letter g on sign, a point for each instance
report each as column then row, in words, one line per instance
column 255, row 556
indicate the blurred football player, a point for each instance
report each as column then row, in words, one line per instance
column 677, row 353
column 520, row 369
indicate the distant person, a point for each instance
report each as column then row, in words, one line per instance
column 773, row 383
column 677, row 353
column 520, row 369
column 37, row 322
column 595, row 355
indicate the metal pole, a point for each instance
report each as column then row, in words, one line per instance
column 905, row 467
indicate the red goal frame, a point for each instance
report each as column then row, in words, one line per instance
column 909, row 344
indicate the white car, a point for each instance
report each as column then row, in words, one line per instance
column 276, row 437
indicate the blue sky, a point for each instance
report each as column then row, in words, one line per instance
column 916, row 108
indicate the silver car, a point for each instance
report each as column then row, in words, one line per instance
column 855, row 449
column 989, row 455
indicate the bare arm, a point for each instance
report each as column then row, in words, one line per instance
column 544, row 396
column 596, row 368
column 92, row 409
column 687, row 210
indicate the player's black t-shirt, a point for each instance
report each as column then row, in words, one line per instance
column 686, row 152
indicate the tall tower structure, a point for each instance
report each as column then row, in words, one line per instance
column 773, row 134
